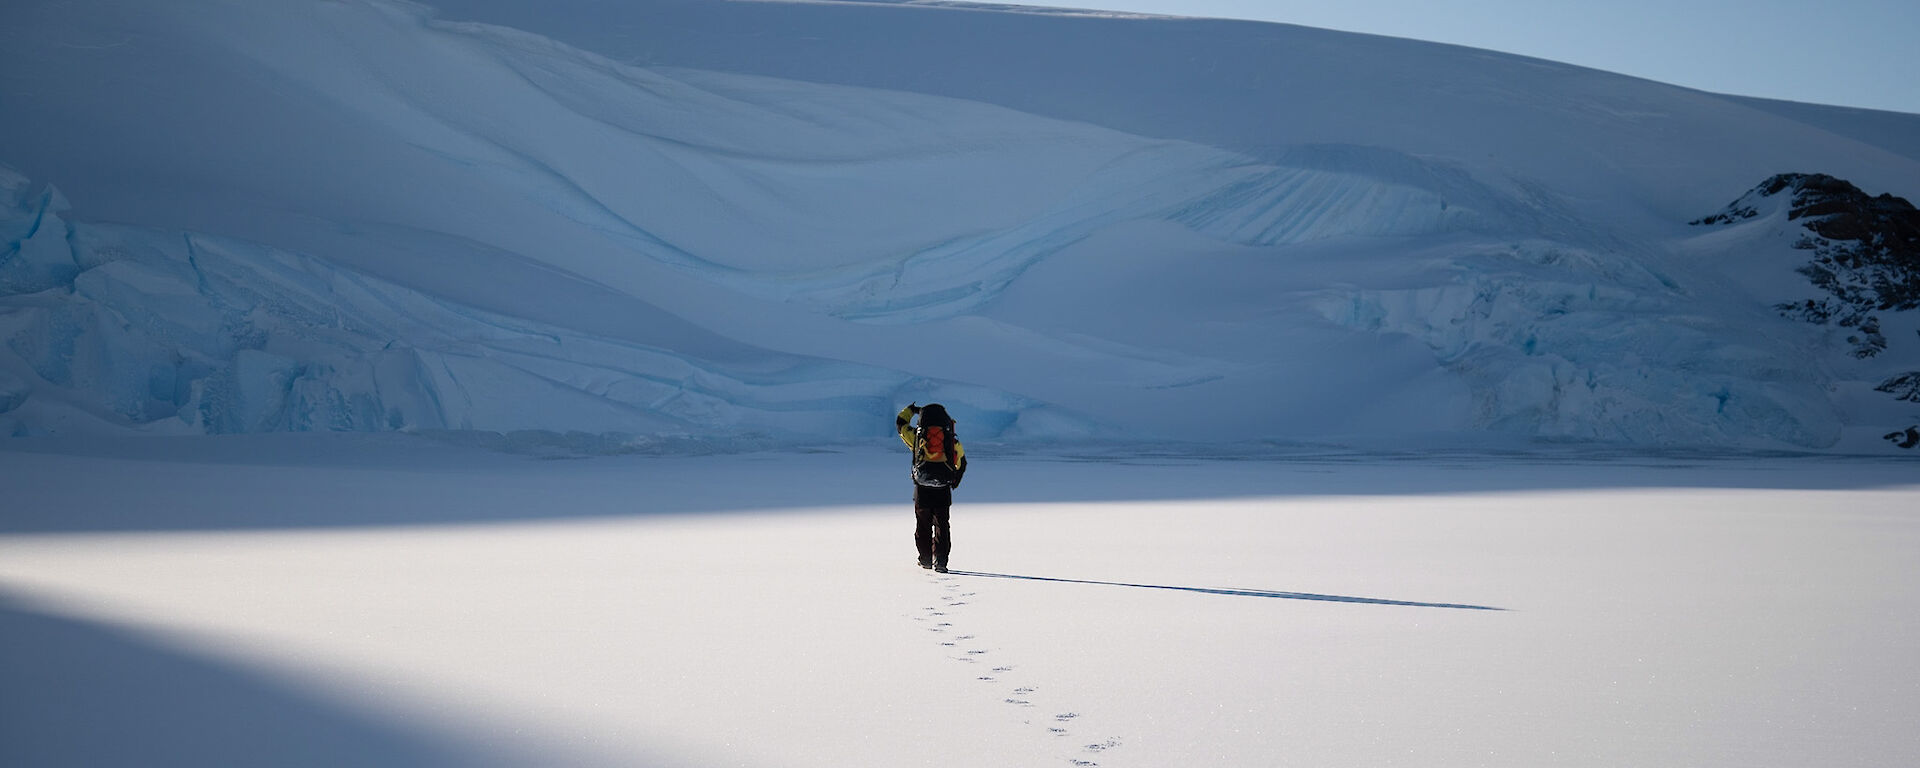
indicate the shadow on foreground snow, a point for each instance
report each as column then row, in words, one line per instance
column 75, row 692
column 253, row 482
column 1237, row 592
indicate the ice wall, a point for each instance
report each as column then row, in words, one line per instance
column 1559, row 342
column 111, row 327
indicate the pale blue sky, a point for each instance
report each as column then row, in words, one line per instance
column 1859, row 53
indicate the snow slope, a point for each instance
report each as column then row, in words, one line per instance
column 781, row 220
column 378, row 601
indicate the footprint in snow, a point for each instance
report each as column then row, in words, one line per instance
column 1020, row 697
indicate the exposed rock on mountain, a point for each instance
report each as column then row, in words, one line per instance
column 1866, row 252
column 1906, row 387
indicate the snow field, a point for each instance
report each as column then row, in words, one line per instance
column 764, row 610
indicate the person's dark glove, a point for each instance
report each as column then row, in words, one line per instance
column 914, row 406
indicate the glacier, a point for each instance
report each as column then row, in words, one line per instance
column 679, row 219
column 182, row 333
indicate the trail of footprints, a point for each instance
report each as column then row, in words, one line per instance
column 937, row 618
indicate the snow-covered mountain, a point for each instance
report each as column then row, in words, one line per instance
column 1866, row 252
column 786, row 219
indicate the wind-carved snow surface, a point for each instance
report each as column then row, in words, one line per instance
column 416, row 222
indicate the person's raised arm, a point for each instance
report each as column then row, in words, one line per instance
column 903, row 423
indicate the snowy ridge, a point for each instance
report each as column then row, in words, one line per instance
column 1225, row 198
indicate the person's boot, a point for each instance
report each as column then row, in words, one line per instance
column 926, row 562
column 940, row 567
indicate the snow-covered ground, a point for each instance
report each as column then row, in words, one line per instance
column 398, row 600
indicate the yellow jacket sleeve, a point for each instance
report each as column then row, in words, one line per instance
column 904, row 423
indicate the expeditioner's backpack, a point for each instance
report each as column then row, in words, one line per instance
column 933, row 456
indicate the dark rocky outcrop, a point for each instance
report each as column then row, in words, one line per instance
column 1866, row 252
column 1905, row 386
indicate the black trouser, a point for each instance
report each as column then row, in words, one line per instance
column 932, row 528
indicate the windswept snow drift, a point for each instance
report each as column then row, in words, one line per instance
column 785, row 219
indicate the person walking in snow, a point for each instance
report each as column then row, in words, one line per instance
column 938, row 464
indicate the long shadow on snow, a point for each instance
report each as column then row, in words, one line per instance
column 1237, row 592
column 77, row 692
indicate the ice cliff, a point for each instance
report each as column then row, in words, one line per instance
column 113, row 327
